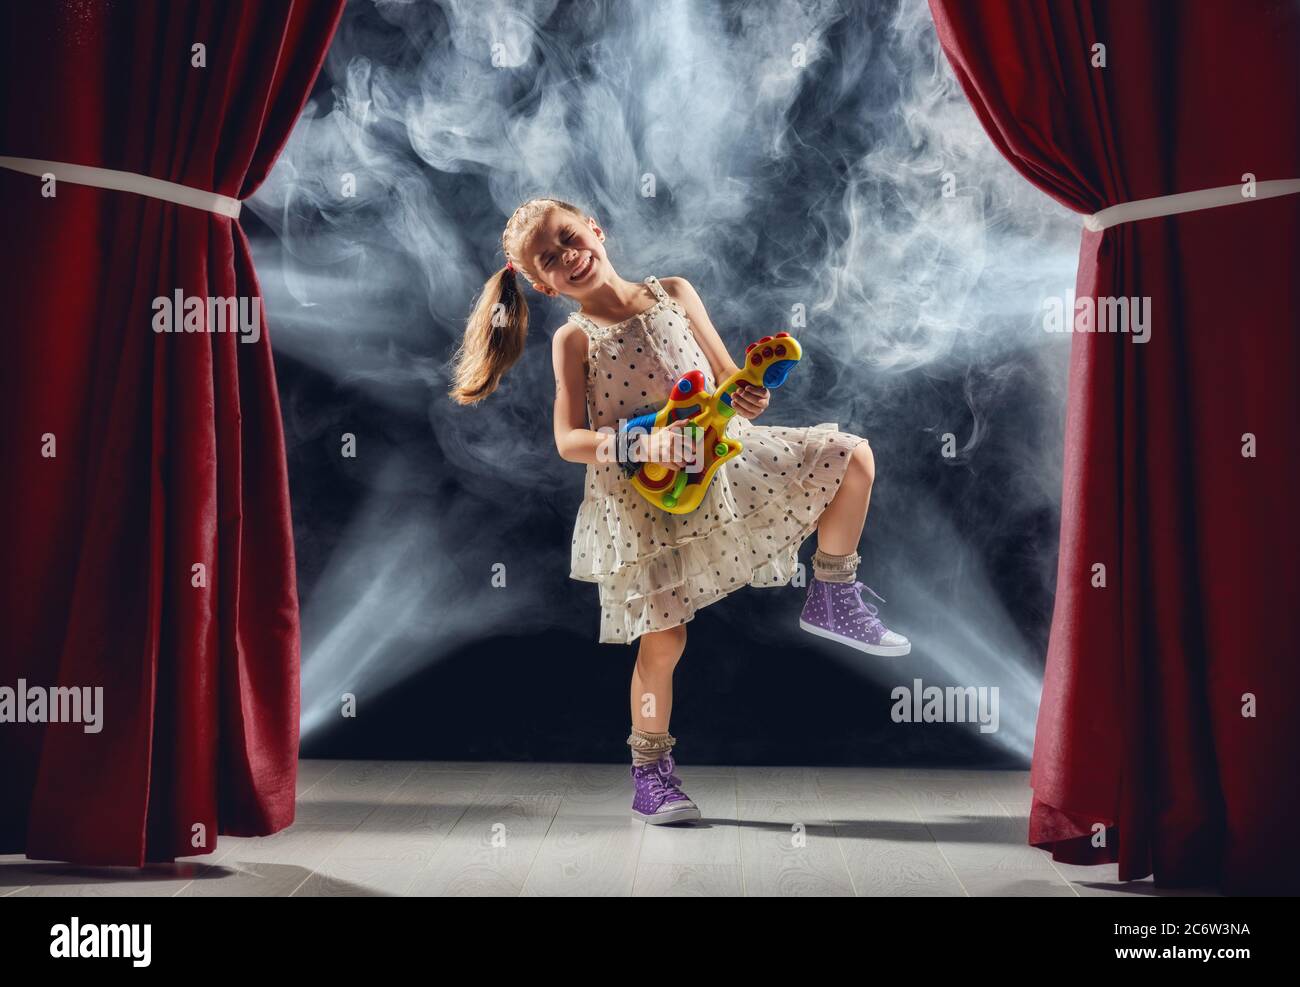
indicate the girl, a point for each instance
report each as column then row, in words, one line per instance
column 618, row 356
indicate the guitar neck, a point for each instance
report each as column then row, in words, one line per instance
column 732, row 380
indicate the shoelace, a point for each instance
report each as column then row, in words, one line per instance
column 662, row 781
column 869, row 614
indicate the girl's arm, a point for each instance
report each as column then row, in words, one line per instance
column 573, row 440
column 749, row 401
column 710, row 342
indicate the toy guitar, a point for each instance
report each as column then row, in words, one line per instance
column 679, row 491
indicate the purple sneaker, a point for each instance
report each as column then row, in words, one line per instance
column 837, row 611
column 659, row 799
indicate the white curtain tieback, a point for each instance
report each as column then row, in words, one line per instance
column 1170, row 205
column 127, row 181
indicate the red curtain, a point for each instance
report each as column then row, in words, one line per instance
column 168, row 450
column 1144, row 730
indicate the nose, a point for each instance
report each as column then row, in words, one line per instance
column 570, row 255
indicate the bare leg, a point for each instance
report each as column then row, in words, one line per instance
column 839, row 529
column 652, row 678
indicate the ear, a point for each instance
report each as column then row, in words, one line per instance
column 595, row 229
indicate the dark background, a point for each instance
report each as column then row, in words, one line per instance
column 775, row 185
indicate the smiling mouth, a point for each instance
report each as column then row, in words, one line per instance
column 583, row 268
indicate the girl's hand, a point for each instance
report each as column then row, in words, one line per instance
column 668, row 446
column 750, row 401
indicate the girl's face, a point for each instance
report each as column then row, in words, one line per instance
column 567, row 255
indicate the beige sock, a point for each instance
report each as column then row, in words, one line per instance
column 646, row 747
column 835, row 568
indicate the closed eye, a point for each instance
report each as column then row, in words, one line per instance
column 568, row 234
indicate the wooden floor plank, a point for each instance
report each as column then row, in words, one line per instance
column 490, row 849
column 389, row 828
column 788, row 847
column 687, row 881
column 985, row 847
column 590, row 849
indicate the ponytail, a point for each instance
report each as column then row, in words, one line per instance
column 494, row 335
column 494, row 338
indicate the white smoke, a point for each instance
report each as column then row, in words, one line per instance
column 798, row 153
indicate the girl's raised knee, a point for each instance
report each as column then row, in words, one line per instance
column 864, row 461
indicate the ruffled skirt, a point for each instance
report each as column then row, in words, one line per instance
column 654, row 570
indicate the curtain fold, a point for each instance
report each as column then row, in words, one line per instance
column 168, row 448
column 1149, row 751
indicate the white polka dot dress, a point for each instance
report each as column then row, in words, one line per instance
column 655, row 569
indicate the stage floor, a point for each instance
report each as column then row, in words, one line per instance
column 475, row 828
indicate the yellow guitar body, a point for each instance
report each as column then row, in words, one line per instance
column 679, row 491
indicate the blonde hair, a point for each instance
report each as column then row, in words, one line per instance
column 495, row 331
